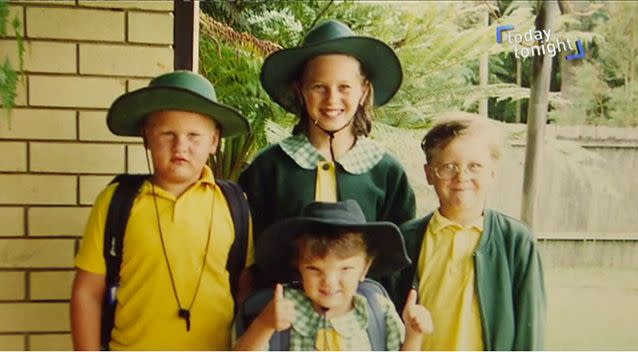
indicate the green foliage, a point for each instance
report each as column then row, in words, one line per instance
column 439, row 45
column 623, row 105
column 9, row 77
column 279, row 26
column 234, row 71
column 590, row 98
column 604, row 91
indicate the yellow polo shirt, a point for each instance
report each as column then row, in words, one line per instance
column 447, row 284
column 146, row 315
column 326, row 185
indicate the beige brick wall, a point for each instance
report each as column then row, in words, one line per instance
column 42, row 56
column 50, row 342
column 44, row 221
column 139, row 24
column 137, row 160
column 12, row 287
column 91, row 186
column 18, row 317
column 92, row 128
column 124, row 60
column 40, row 124
column 36, row 253
column 14, row 156
column 12, row 342
column 155, row 5
column 51, row 284
column 11, row 221
column 77, row 158
column 74, row 91
column 58, row 154
column 134, row 84
column 75, row 24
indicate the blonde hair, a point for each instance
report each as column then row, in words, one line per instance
column 452, row 125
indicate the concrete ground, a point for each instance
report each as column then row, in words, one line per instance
column 592, row 309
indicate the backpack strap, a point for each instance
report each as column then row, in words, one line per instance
column 377, row 328
column 240, row 213
column 250, row 309
column 280, row 341
column 116, row 220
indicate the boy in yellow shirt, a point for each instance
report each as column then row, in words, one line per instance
column 477, row 270
column 174, row 290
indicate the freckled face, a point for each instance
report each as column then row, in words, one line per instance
column 331, row 282
column 180, row 143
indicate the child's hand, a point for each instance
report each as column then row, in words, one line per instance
column 280, row 312
column 416, row 317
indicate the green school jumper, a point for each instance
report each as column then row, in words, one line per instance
column 281, row 180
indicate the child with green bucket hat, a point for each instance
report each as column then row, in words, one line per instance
column 332, row 248
column 331, row 82
column 173, row 290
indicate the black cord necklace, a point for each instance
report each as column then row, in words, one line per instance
column 184, row 313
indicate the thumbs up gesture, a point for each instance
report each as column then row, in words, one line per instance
column 280, row 312
column 417, row 318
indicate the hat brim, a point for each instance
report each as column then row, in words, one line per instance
column 381, row 64
column 127, row 112
column 273, row 250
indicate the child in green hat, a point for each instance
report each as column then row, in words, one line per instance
column 332, row 248
column 172, row 287
column 331, row 82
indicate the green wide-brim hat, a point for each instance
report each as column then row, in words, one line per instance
column 178, row 90
column 274, row 247
column 379, row 61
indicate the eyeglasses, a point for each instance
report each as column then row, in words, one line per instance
column 449, row 171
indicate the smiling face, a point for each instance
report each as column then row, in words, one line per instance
column 465, row 192
column 332, row 269
column 180, row 143
column 332, row 87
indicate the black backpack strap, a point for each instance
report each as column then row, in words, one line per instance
column 280, row 341
column 116, row 220
column 377, row 328
column 240, row 213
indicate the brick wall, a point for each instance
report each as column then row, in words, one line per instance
column 57, row 153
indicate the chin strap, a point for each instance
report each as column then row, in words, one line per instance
column 332, row 133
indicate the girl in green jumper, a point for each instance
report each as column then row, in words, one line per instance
column 332, row 82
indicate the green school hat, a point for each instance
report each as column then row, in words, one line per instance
column 380, row 63
column 274, row 247
column 178, row 90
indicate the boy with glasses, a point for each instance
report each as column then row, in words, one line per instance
column 477, row 270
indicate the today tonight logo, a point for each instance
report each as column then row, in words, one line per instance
column 537, row 36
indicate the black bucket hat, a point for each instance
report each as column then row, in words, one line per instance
column 379, row 61
column 178, row 90
column 274, row 248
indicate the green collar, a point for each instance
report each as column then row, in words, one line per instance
column 360, row 159
column 308, row 321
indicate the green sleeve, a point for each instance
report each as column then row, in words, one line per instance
column 529, row 299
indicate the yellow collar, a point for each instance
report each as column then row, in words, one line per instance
column 439, row 222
